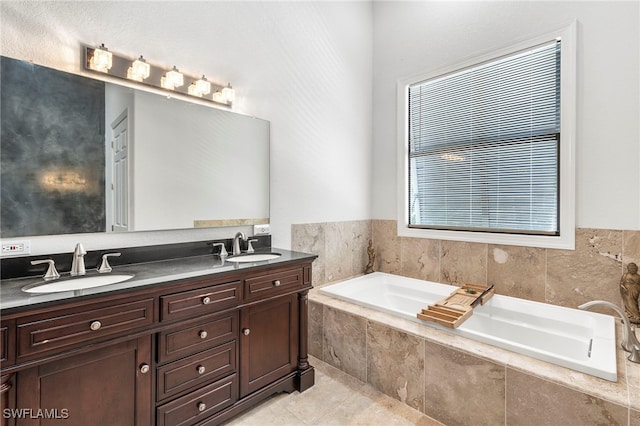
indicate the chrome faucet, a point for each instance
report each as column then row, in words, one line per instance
column 52, row 273
column 629, row 341
column 236, row 242
column 77, row 266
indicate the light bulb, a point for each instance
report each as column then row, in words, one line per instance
column 101, row 59
column 228, row 93
column 172, row 79
column 139, row 69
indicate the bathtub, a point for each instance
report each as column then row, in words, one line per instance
column 575, row 339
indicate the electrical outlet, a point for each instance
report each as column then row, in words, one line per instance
column 14, row 248
column 261, row 229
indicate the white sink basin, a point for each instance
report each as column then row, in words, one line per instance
column 253, row 257
column 79, row 283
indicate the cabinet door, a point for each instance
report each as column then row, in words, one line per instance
column 268, row 342
column 108, row 386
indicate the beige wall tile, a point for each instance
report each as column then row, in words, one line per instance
column 387, row 246
column 533, row 401
column 517, row 271
column 346, row 247
column 420, row 258
column 341, row 248
column 395, row 364
column 590, row 272
column 461, row 389
column 310, row 238
column 338, row 251
column 344, row 342
column 361, row 234
column 463, row 262
column 634, row 419
column 631, row 247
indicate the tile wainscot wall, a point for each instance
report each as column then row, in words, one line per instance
column 452, row 379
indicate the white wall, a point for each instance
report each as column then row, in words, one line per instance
column 305, row 66
column 412, row 37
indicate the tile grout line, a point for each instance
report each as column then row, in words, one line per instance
column 506, row 395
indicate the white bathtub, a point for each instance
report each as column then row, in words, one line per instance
column 580, row 340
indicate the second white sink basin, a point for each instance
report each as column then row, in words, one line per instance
column 253, row 257
column 79, row 283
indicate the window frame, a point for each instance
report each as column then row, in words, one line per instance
column 566, row 239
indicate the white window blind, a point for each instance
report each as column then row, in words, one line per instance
column 484, row 146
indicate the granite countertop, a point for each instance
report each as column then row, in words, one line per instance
column 145, row 274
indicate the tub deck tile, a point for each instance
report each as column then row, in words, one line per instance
column 395, row 364
column 344, row 342
column 461, row 389
column 534, row 401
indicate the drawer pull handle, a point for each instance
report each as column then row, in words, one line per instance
column 246, row 331
column 201, row 369
column 202, row 334
column 206, row 300
column 95, row 325
column 277, row 283
column 144, row 368
column 202, row 406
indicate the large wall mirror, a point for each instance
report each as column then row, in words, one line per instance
column 80, row 155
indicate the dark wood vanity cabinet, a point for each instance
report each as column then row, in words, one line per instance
column 106, row 386
column 197, row 351
column 268, row 342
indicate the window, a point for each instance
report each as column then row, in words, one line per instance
column 487, row 148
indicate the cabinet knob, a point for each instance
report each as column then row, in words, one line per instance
column 202, row 406
column 276, row 283
column 206, row 300
column 144, row 368
column 95, row 325
column 202, row 334
column 246, row 331
column 201, row 369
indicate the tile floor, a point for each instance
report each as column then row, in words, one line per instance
column 335, row 399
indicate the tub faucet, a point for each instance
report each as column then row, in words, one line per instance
column 236, row 242
column 77, row 266
column 629, row 341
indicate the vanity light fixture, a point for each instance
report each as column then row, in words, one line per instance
column 139, row 69
column 200, row 87
column 101, row 60
column 172, row 79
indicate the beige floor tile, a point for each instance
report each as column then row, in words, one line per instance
column 335, row 399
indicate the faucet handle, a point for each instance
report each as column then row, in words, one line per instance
column 223, row 249
column 104, row 266
column 79, row 250
column 249, row 246
column 52, row 272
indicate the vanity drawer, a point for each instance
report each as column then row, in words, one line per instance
column 66, row 328
column 200, row 404
column 195, row 337
column 271, row 284
column 196, row 369
column 194, row 303
column 7, row 343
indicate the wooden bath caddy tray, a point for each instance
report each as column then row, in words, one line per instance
column 454, row 309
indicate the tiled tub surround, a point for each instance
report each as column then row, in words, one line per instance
column 559, row 277
column 458, row 381
column 412, row 362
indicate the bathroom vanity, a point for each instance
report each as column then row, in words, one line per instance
column 186, row 341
